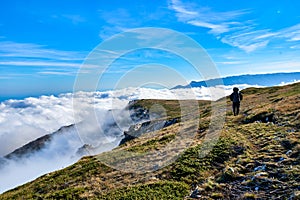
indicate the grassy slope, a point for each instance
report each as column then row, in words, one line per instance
column 229, row 171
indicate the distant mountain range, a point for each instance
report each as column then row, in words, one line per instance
column 256, row 79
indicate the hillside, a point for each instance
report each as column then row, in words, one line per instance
column 257, row 156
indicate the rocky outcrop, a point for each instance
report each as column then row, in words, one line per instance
column 139, row 129
column 137, row 113
column 263, row 117
column 143, row 123
column 85, row 150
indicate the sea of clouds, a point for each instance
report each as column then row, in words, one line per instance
column 22, row 121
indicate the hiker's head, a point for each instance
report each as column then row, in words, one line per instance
column 235, row 89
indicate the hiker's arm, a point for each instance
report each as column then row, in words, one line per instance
column 231, row 97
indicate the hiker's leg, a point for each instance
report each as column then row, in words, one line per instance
column 234, row 107
column 237, row 108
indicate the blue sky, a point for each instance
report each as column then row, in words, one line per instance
column 44, row 43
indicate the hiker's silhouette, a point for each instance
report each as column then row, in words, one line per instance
column 236, row 97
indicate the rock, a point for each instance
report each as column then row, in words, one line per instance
column 295, row 196
column 84, row 150
column 287, row 144
column 231, row 169
column 263, row 117
column 260, row 168
column 229, row 174
column 250, row 165
column 289, row 152
column 196, row 193
column 261, row 174
column 126, row 138
column 291, row 131
column 153, row 178
column 238, row 150
column 138, row 113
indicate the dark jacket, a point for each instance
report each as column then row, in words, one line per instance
column 236, row 97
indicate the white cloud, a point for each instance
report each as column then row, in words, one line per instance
column 116, row 23
column 227, row 26
column 11, row 49
column 217, row 22
column 182, row 12
column 215, row 28
column 14, row 54
column 291, row 33
column 249, row 40
column 297, row 46
column 40, row 63
column 231, row 62
column 222, row 24
column 266, row 35
column 57, row 73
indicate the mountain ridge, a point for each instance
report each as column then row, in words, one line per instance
column 37, row 144
column 256, row 157
column 250, row 79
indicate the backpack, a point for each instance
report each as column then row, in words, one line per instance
column 236, row 97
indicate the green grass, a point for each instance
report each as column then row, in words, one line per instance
column 191, row 167
column 173, row 108
column 158, row 191
column 61, row 183
column 152, row 144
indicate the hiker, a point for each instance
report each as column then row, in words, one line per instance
column 236, row 97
